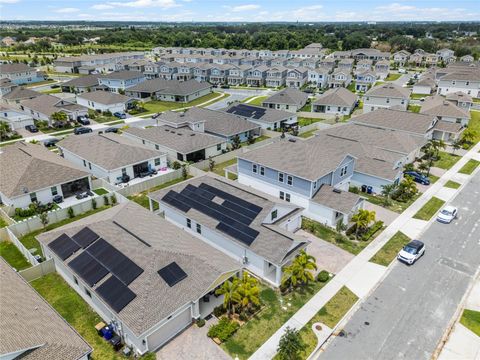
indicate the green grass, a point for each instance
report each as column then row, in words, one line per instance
column 395, row 206
column 52, row 91
column 393, row 77
column 219, row 169
column 469, row 167
column 307, row 107
column 100, row 191
column 417, row 96
column 13, row 256
column 433, row 178
column 3, row 222
column 452, row 184
column 308, row 134
column 77, row 313
column 389, row 251
column 156, row 106
column 414, row 108
column 103, row 118
column 256, row 100
column 333, row 311
column 304, row 121
column 429, row 209
column 45, row 82
column 352, row 87
column 474, row 124
column 263, row 325
column 471, row 320
column 446, row 160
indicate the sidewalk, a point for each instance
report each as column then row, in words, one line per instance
column 360, row 275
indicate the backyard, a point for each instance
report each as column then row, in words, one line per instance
column 414, row 108
column 156, row 106
column 304, row 121
column 13, row 256
column 429, row 209
column 219, row 169
column 389, row 251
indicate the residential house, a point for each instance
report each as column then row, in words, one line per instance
column 328, row 63
column 345, row 65
column 15, row 119
column 276, row 76
column 364, row 80
column 425, row 85
column 104, row 101
column 100, row 63
column 257, row 76
column 251, row 228
column 269, row 119
column 138, row 272
column 44, row 106
column 372, row 54
column 386, row 96
column 461, row 99
column 339, row 78
column 288, row 99
column 6, row 86
column 81, row 84
column 445, row 55
column 363, row 65
column 219, row 74
column 16, row 95
column 337, row 55
column 8, row 41
column 338, row 101
column 133, row 65
column 237, row 75
column 467, row 82
column 201, row 72
column 431, row 60
column 39, row 175
column 184, row 72
column 417, row 59
column 169, row 90
column 297, row 77
column 382, row 68
column 168, row 70
column 401, row 57
column 21, row 73
column 318, row 76
column 467, row 58
column 119, row 81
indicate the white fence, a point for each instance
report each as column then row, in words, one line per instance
column 150, row 183
column 38, row 270
column 13, row 239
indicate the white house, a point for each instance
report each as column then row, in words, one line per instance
column 44, row 106
column 386, row 96
column 118, row 81
column 104, row 101
column 335, row 101
column 14, row 118
column 288, row 99
column 466, row 81
column 20, row 73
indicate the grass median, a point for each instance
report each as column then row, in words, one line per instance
column 471, row 320
column 469, row 167
column 446, row 160
column 389, row 251
column 429, row 209
column 452, row 184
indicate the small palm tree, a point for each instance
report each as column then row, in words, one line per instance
column 4, row 130
column 469, row 135
column 248, row 291
column 387, row 192
column 362, row 220
column 230, row 296
column 300, row 271
column 457, row 144
column 423, row 166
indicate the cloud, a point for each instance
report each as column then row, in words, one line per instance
column 9, row 1
column 246, row 7
column 395, row 7
column 66, row 10
column 308, row 13
column 164, row 4
column 102, row 7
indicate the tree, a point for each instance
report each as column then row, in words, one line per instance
column 44, row 218
column 59, row 117
column 211, row 163
column 362, row 220
column 457, row 144
column 300, row 271
column 230, row 294
column 184, row 171
column 387, row 192
column 423, row 167
column 248, row 291
column 469, row 136
column 251, row 139
column 236, row 142
column 407, row 188
column 4, row 130
column 290, row 345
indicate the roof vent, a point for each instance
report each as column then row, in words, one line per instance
column 338, row 191
column 192, row 134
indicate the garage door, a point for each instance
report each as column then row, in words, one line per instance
column 167, row 331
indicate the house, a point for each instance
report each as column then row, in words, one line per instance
column 138, row 272
column 276, row 76
column 44, row 106
column 39, row 175
column 363, row 65
column 15, row 119
column 308, row 174
column 445, row 55
column 256, row 77
column 238, row 75
column 364, row 80
column 100, row 63
column 467, row 58
column 214, row 122
column 251, row 228
column 345, row 64
column 372, row 54
column 119, row 81
column 417, row 59
column 6, row 86
column 386, row 96
column 318, row 76
column 181, row 144
column 382, row 68
column 401, row 57
column 339, row 78
column 297, row 77
column 466, row 81
column 425, row 85
column 133, row 65
column 219, row 73
column 335, row 101
column 110, row 156
column 460, row 99
column 81, row 84
column 104, row 101
column 270, row 119
column 288, row 99
column 21, row 73
column 169, row 90
column 8, row 41
column 49, row 336
column 16, row 95
column 431, row 59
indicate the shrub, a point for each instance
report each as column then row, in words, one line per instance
column 71, row 214
column 94, row 204
column 223, row 330
column 372, row 230
column 243, row 316
column 106, row 202
column 113, row 198
column 339, row 238
column 354, row 189
column 25, row 212
column 200, row 323
column 176, row 165
column 323, row 276
column 219, row 311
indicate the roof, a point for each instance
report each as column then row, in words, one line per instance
column 109, row 151
column 438, row 106
column 473, row 75
column 32, row 167
column 104, row 97
column 123, row 75
column 341, row 201
column 83, row 81
column 129, row 228
column 270, row 243
column 182, row 140
column 173, row 87
column 389, row 90
column 19, row 93
column 289, row 96
column 397, row 120
column 48, row 104
column 98, row 56
column 258, row 113
column 426, row 81
column 447, row 126
column 27, row 321
column 459, row 96
column 15, row 68
column 337, row 96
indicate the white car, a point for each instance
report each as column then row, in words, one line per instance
column 411, row 252
column 447, row 214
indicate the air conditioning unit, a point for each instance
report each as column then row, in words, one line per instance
column 245, row 260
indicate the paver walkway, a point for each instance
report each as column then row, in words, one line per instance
column 360, row 275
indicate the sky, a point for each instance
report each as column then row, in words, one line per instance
column 241, row 10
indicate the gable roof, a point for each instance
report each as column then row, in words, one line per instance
column 171, row 87
column 289, row 96
column 389, row 90
column 123, row 75
column 104, row 97
column 48, row 104
column 258, row 113
column 439, row 106
column 459, row 96
column 337, row 96
column 342, row 201
column 20, row 93
column 83, row 81
column 15, row 68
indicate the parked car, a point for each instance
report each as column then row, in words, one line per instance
column 447, row 214
column 50, row 142
column 83, row 120
column 402, row 71
column 120, row 115
column 57, row 199
column 154, row 116
column 31, row 128
column 82, row 130
column 412, row 252
column 111, row 130
column 417, row 177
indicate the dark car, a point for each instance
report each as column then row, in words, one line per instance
column 31, row 128
column 50, row 142
column 83, row 120
column 111, row 130
column 417, row 177
column 82, row 130
column 57, row 199
column 120, row 115
column 154, row 116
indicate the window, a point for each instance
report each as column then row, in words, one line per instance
column 157, row 161
column 314, row 185
column 339, row 108
column 254, row 168
column 33, row 197
column 287, row 197
column 54, row 190
column 282, row 195
column 403, row 102
column 262, row 171
column 124, row 171
column 343, row 170
column 157, row 147
column 280, row 177
column 199, row 228
column 219, row 147
column 90, row 166
column 189, row 223
column 88, row 293
column 75, row 280
column 143, row 142
column 274, row 214
column 388, row 100
column 84, row 163
column 289, row 180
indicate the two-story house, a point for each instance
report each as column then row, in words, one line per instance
column 21, row 73
column 219, row 73
column 363, row 65
column 318, row 76
column 467, row 81
column 238, row 75
column 364, row 80
column 345, row 64
column 256, row 76
column 339, row 78
column 297, row 77
column 382, row 68
column 119, row 81
column 461, row 99
column 401, row 57
column 386, row 96
column 276, row 76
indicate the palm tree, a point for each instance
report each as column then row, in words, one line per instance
column 407, row 187
column 457, row 144
column 300, row 271
column 248, row 291
column 469, row 135
column 423, row 166
column 362, row 219
column 229, row 290
column 4, row 129
column 387, row 192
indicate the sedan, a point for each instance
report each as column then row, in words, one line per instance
column 111, row 130
column 83, row 120
column 50, row 142
column 120, row 115
column 82, row 130
column 417, row 177
column 447, row 214
column 411, row 252
column 31, row 128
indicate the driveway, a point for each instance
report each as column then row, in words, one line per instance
column 381, row 213
column 329, row 257
column 193, row 344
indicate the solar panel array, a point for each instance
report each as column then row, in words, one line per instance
column 247, row 111
column 89, row 269
column 234, row 214
column 64, row 246
column 172, row 274
column 115, row 293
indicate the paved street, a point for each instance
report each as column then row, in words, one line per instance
column 406, row 316
column 237, row 95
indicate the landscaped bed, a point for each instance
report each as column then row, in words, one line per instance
column 100, row 191
column 429, row 209
column 452, row 184
column 13, row 256
column 389, row 251
column 396, row 206
column 304, row 121
column 469, row 167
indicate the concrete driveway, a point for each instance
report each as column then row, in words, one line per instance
column 381, row 213
column 193, row 344
column 329, row 257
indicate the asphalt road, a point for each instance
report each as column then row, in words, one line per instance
column 406, row 316
column 237, row 95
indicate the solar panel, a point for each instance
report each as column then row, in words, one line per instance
column 242, row 237
column 64, row 246
column 116, row 262
column 89, row 269
column 115, row 293
column 85, row 237
column 172, row 274
column 236, row 200
column 170, row 199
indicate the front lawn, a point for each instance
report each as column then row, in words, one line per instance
column 3, row 222
column 429, row 209
column 433, row 178
column 446, row 160
column 100, row 191
column 77, row 313
column 308, row 134
column 471, row 320
column 417, row 96
column 414, row 108
column 396, row 206
column 13, row 256
column 156, row 106
column 469, row 167
column 389, row 251
column 330, row 315
column 256, row 100
column 393, row 77
column 452, row 184
column 304, row 121
column 474, row 124
column 277, row 310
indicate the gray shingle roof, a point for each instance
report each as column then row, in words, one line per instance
column 105, row 97
column 289, row 96
column 338, row 97
column 459, row 96
column 438, row 106
column 155, row 300
column 473, row 75
column 14, row 68
column 123, row 75
column 342, row 201
column 170, row 87
column 27, row 321
column 448, row 126
column 32, row 167
column 20, row 93
column 389, row 90
column 109, row 151
column 48, row 104
column 83, row 81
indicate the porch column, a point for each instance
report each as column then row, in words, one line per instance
column 196, row 309
column 278, row 274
